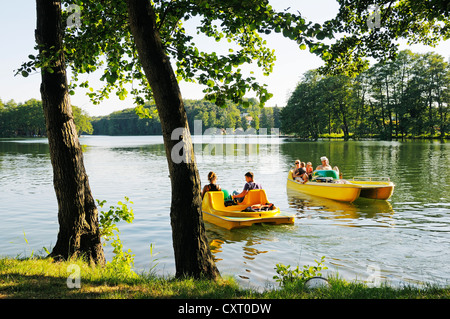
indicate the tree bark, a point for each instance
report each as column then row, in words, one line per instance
column 79, row 234
column 192, row 254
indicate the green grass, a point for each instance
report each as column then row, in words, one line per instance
column 37, row 278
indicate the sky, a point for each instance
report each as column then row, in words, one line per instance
column 18, row 22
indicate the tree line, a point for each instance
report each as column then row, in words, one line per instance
column 234, row 116
column 407, row 97
column 27, row 119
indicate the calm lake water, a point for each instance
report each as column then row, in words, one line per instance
column 403, row 240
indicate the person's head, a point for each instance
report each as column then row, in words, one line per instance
column 302, row 164
column 324, row 160
column 212, row 177
column 308, row 164
column 297, row 163
column 249, row 177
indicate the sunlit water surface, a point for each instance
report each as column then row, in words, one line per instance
column 403, row 240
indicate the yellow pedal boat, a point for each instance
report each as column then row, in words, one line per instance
column 374, row 189
column 347, row 192
column 230, row 217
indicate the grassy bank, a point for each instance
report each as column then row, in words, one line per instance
column 45, row 279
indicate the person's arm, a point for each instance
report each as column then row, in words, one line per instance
column 204, row 190
column 243, row 193
column 305, row 178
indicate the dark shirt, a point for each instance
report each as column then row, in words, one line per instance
column 299, row 171
column 252, row 185
column 213, row 188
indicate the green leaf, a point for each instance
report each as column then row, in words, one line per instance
column 286, row 33
column 320, row 35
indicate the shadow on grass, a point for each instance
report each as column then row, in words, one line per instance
column 21, row 286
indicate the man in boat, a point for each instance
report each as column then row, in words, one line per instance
column 249, row 185
column 326, row 165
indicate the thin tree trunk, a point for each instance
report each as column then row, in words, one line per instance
column 192, row 254
column 343, row 110
column 77, row 213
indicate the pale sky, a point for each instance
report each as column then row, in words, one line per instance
column 18, row 22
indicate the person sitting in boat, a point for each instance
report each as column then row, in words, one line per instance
column 212, row 186
column 296, row 169
column 309, row 170
column 299, row 174
column 326, row 165
column 249, row 185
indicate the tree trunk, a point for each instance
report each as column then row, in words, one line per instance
column 389, row 109
column 79, row 234
column 192, row 254
column 343, row 110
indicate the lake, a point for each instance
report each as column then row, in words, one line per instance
column 403, row 240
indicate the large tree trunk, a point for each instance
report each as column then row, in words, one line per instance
column 192, row 254
column 77, row 213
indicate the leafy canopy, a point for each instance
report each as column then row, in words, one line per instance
column 102, row 42
column 370, row 28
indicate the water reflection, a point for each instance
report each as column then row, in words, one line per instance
column 31, row 147
column 309, row 206
column 246, row 251
column 405, row 236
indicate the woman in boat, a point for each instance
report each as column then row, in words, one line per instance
column 296, row 169
column 249, row 185
column 299, row 174
column 212, row 186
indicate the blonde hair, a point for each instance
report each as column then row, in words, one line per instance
column 211, row 176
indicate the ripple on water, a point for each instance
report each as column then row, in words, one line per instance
column 406, row 238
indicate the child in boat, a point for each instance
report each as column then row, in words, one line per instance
column 309, row 170
column 212, row 186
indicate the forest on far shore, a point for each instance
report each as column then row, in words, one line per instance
column 405, row 98
column 234, row 116
column 27, row 119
